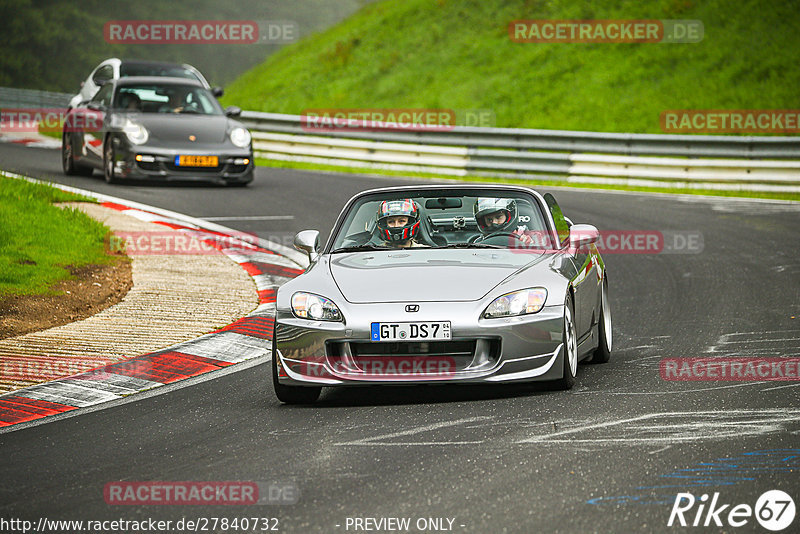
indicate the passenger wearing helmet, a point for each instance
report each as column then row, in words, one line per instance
column 398, row 223
column 498, row 216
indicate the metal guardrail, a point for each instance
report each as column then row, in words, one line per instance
column 691, row 161
column 31, row 98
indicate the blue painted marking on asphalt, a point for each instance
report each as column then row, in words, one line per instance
column 719, row 472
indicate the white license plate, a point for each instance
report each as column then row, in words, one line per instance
column 432, row 331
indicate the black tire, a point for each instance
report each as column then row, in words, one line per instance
column 109, row 162
column 604, row 333
column 292, row 394
column 570, row 340
column 68, row 164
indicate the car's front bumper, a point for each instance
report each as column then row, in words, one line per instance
column 314, row 353
column 155, row 163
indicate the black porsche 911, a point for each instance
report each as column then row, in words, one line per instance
column 157, row 128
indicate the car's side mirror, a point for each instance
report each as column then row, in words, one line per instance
column 95, row 106
column 233, row 111
column 308, row 241
column 217, row 91
column 581, row 235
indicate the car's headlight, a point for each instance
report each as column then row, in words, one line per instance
column 240, row 137
column 136, row 133
column 310, row 306
column 517, row 303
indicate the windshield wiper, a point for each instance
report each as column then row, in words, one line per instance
column 361, row 248
column 471, row 245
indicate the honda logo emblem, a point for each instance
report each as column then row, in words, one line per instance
column 412, row 307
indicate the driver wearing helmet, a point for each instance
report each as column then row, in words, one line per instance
column 498, row 216
column 398, row 223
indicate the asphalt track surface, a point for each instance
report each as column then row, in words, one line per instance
column 608, row 456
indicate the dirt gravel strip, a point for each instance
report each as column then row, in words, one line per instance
column 178, row 298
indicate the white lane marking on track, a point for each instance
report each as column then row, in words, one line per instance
column 781, row 387
column 675, row 392
column 676, row 427
column 419, row 430
column 250, row 218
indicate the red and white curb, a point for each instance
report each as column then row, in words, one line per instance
column 248, row 338
column 32, row 140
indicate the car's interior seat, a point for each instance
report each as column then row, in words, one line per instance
column 426, row 235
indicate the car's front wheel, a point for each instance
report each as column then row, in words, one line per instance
column 68, row 164
column 292, row 394
column 570, row 341
column 603, row 352
column 109, row 162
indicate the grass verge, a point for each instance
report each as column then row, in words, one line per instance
column 39, row 241
column 542, row 183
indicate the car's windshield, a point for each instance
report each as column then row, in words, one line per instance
column 145, row 69
column 166, row 98
column 455, row 218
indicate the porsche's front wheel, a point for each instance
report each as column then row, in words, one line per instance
column 68, row 164
column 292, row 394
column 109, row 162
column 570, row 341
column 603, row 352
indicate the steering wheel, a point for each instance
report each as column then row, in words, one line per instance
column 503, row 234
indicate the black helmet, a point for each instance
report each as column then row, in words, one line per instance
column 398, row 208
column 487, row 206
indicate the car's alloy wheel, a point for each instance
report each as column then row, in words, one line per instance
column 109, row 161
column 68, row 164
column 66, row 155
column 604, row 342
column 570, row 341
column 292, row 394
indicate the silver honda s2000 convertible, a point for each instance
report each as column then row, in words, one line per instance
column 433, row 284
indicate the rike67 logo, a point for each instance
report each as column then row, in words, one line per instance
column 774, row 510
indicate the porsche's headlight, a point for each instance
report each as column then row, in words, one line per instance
column 240, row 137
column 136, row 133
column 517, row 303
column 310, row 306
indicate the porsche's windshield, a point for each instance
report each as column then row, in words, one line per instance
column 457, row 218
column 166, row 98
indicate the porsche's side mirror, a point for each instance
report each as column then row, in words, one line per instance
column 94, row 106
column 308, row 241
column 581, row 235
column 233, row 111
column 217, row 91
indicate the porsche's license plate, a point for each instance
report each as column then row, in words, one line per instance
column 432, row 331
column 196, row 161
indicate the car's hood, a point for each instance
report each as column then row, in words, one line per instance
column 176, row 128
column 425, row 274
